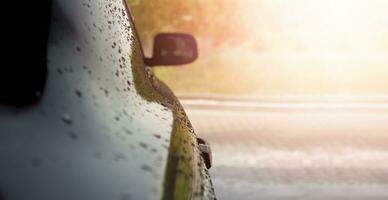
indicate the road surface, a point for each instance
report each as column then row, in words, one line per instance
column 295, row 150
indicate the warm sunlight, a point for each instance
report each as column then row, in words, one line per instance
column 321, row 46
column 331, row 25
column 283, row 47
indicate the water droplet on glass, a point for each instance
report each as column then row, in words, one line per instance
column 67, row 119
column 144, row 145
column 72, row 135
column 127, row 131
column 78, row 93
column 119, row 156
column 146, row 168
column 157, row 136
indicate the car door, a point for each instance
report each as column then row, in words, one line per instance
column 101, row 128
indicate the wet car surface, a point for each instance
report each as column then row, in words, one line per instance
column 103, row 126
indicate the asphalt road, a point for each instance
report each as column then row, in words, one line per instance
column 295, row 150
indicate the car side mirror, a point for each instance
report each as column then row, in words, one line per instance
column 173, row 49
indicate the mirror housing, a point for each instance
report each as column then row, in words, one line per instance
column 173, row 49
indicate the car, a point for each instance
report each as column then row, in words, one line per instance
column 82, row 114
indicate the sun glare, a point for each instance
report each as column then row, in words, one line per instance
column 290, row 47
column 323, row 46
column 331, row 25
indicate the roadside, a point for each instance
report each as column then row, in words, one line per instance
column 292, row 153
column 284, row 103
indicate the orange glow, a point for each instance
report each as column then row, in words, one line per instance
column 285, row 47
column 321, row 46
column 327, row 25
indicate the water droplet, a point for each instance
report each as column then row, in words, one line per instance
column 127, row 131
column 67, row 119
column 157, row 136
column 146, row 168
column 119, row 156
column 78, row 93
column 72, row 135
column 144, row 145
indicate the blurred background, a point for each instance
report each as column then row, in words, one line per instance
column 274, row 47
column 290, row 94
